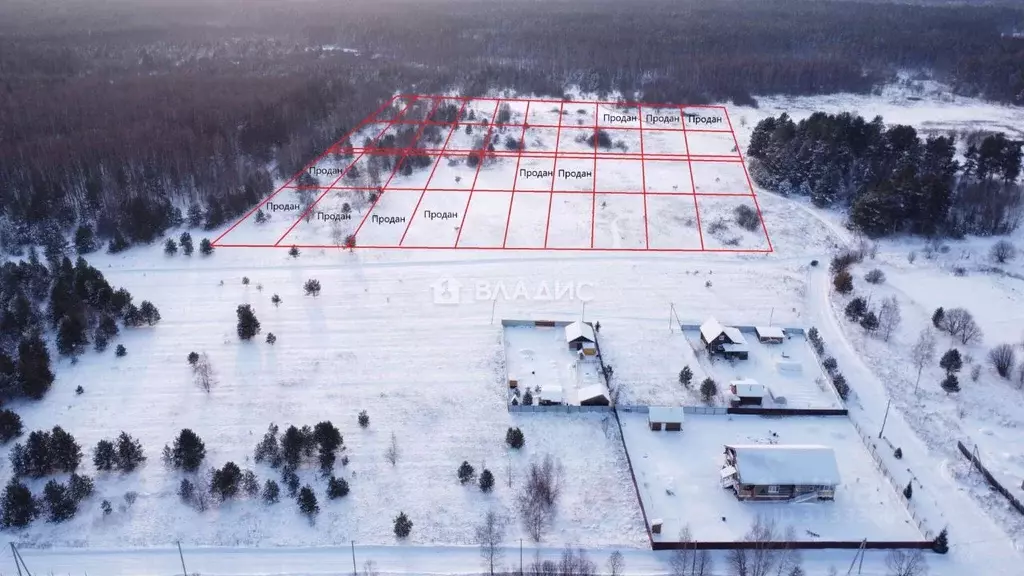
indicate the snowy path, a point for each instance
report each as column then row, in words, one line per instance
column 975, row 539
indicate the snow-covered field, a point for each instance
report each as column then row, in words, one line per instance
column 432, row 374
column 678, row 475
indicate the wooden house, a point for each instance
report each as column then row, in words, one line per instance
column 794, row 472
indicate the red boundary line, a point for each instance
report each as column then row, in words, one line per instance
column 399, row 119
column 750, row 183
column 693, row 185
column 643, row 177
column 426, row 186
column 554, row 171
column 480, row 164
column 304, row 169
column 515, row 176
column 338, row 179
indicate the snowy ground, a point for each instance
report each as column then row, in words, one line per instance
column 540, row 360
column 789, row 370
column 432, row 374
column 680, row 483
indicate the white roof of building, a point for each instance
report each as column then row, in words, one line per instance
column 590, row 392
column 579, row 329
column 748, row 387
column 769, row 332
column 735, row 335
column 711, row 329
column 551, row 393
column 667, row 414
column 775, row 464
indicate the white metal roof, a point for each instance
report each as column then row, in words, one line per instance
column 748, row 387
column 769, row 332
column 551, row 393
column 579, row 330
column 775, row 464
column 666, row 414
column 590, row 392
column 735, row 335
column 711, row 329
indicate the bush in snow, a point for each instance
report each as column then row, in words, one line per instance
column 856, row 309
column 312, row 287
column 293, row 251
column 1003, row 251
column 830, row 365
column 275, row 300
column 515, row 438
column 120, row 350
column 898, row 454
column 686, row 376
column 950, row 384
column 842, row 388
column 747, row 218
column 106, row 508
column 908, row 492
column 271, row 339
column 875, row 276
column 869, row 322
column 843, row 282
column 465, row 472
column 193, row 357
column 941, row 543
column 337, row 488
column 1003, row 359
column 364, row 419
column 205, row 247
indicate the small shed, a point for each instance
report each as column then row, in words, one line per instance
column 549, row 395
column 594, row 395
column 780, row 472
column 747, row 392
column 770, row 334
column 724, row 340
column 668, row 418
column 580, row 337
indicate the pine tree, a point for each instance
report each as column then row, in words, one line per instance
column 465, row 472
column 307, row 503
column 271, row 492
column 170, row 247
column 271, row 339
column 403, row 526
column 10, row 426
column 275, row 300
column 486, row 480
column 312, row 287
column 71, row 338
column 205, row 247
column 941, row 543
column 85, row 239
column 149, row 312
column 189, row 451
column 120, row 351
column 364, row 419
column 248, row 325
column 938, row 316
column 869, row 322
column 515, row 438
column 843, row 282
column 34, row 373
column 951, row 361
column 19, row 507
column 950, row 384
column 80, row 487
column 686, row 376
column 60, row 506
column 186, row 243
column 293, row 251
column 908, row 492
column 708, row 389
column 129, row 453
column 225, row 481
column 104, row 456
column 856, row 309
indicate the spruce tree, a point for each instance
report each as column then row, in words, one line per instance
column 104, row 456
column 403, row 526
column 71, row 338
column 225, row 481
column 941, row 543
column 271, row 492
column 186, row 243
column 149, row 312
column 60, row 506
column 170, row 247
column 515, row 438
column 10, row 426
column 189, row 451
column 129, row 453
column 337, row 488
column 307, row 503
column 34, row 373
column 248, row 325
column 486, row 480
column 80, row 487
column 938, row 316
column 686, row 376
column 908, row 492
column 951, row 361
column 19, row 507
column 205, row 247
column 465, row 472
column 950, row 384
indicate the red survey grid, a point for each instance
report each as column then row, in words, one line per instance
column 446, row 172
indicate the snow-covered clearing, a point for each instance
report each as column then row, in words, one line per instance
column 679, row 480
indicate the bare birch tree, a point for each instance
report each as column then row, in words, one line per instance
column 923, row 352
column 489, row 535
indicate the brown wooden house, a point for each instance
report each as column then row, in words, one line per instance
column 780, row 472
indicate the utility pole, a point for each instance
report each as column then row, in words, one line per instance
column 354, row 570
column 886, row 417
column 182, row 556
column 493, row 304
column 520, row 556
column 671, row 312
column 771, row 316
column 583, row 316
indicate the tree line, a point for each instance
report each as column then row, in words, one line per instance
column 126, row 121
column 892, row 179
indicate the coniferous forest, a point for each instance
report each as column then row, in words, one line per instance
column 120, row 119
column 891, row 179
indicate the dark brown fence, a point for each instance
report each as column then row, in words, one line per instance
column 796, row 545
column 786, row 411
column 990, row 478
